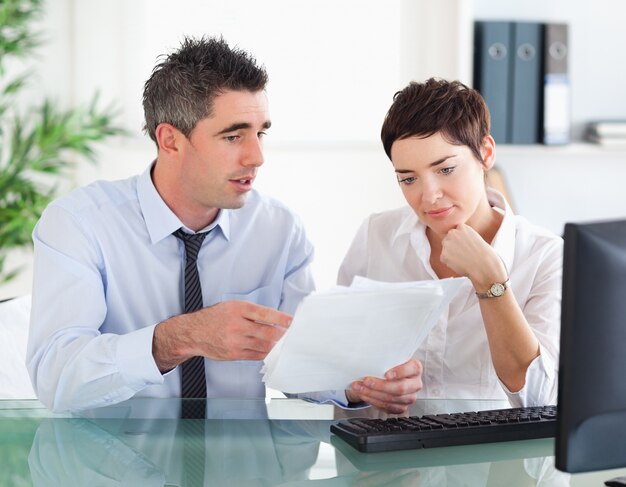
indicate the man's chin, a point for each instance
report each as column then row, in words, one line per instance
column 237, row 203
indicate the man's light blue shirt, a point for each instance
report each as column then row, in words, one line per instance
column 108, row 270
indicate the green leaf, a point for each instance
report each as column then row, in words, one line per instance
column 39, row 147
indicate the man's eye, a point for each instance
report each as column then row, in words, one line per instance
column 262, row 134
column 231, row 138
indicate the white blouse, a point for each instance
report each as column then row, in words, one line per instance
column 392, row 246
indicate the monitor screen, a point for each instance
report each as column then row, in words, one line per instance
column 591, row 410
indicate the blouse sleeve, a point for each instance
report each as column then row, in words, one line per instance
column 355, row 261
column 543, row 313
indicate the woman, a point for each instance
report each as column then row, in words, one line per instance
column 500, row 336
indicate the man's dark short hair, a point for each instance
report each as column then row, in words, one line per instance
column 183, row 87
column 436, row 105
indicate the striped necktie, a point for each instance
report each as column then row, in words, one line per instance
column 193, row 380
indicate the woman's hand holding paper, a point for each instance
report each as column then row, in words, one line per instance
column 395, row 393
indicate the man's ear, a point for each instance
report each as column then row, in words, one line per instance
column 168, row 138
column 488, row 152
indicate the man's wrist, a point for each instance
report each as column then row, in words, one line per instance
column 166, row 346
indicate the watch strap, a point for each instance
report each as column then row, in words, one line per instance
column 502, row 286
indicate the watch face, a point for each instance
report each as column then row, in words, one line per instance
column 497, row 289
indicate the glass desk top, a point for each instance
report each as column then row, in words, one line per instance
column 269, row 442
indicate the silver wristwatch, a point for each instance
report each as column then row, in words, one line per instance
column 495, row 291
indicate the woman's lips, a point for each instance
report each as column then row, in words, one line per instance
column 440, row 212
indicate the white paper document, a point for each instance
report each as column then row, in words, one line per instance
column 346, row 333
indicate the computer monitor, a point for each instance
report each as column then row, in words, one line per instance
column 591, row 410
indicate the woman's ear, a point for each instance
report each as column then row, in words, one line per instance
column 488, row 152
column 167, row 137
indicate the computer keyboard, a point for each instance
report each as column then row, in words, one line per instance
column 436, row 430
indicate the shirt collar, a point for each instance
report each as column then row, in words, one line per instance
column 409, row 224
column 504, row 241
column 160, row 220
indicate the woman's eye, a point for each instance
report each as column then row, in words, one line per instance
column 447, row 170
column 407, row 180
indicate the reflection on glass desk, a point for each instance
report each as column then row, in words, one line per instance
column 287, row 442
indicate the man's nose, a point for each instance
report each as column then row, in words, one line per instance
column 254, row 153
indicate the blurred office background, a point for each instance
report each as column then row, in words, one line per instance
column 334, row 67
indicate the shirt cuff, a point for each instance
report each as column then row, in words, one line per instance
column 136, row 362
column 539, row 386
column 335, row 397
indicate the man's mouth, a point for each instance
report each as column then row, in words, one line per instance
column 243, row 183
column 246, row 178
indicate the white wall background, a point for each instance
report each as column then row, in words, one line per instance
column 334, row 66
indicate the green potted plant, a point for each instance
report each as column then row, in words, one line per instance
column 39, row 144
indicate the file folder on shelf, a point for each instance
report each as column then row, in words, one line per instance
column 492, row 58
column 525, row 109
column 556, row 87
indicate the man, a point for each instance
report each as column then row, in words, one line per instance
column 183, row 264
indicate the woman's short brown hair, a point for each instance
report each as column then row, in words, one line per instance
column 437, row 105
